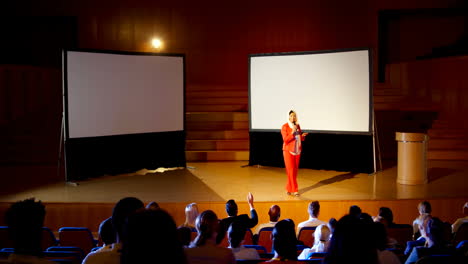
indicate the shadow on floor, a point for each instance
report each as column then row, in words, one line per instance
column 334, row 179
column 438, row 173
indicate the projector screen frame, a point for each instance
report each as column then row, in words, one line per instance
column 171, row 154
column 370, row 101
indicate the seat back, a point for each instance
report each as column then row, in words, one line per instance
column 461, row 234
column 5, row 241
column 264, row 238
column 401, row 233
column 68, row 256
column 260, row 249
column 48, row 238
column 247, row 239
column 306, row 235
column 69, row 249
column 77, row 237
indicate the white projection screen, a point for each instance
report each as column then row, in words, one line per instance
column 330, row 91
column 110, row 94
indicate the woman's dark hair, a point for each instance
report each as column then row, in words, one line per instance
column 184, row 234
column 236, row 234
column 352, row 242
column 150, row 236
column 292, row 111
column 387, row 214
column 284, row 240
column 207, row 224
column 107, row 232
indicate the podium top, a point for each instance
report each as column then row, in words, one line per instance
column 411, row 137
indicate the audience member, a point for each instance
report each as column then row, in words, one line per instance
column 106, row 234
column 203, row 249
column 332, row 224
column 232, row 211
column 236, row 234
column 284, row 241
column 381, row 240
column 25, row 220
column 153, row 206
column 321, row 242
column 421, row 240
column 461, row 221
column 124, row 208
column 424, row 208
column 274, row 213
column 352, row 242
column 185, row 235
column 191, row 213
column 385, row 217
column 432, row 229
column 355, row 211
column 150, row 236
column 314, row 210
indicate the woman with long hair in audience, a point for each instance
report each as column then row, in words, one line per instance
column 284, row 241
column 321, row 242
column 191, row 213
column 150, row 236
column 203, row 248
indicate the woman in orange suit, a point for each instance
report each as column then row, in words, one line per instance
column 292, row 146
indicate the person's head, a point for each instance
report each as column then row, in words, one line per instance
column 150, row 236
column 355, row 210
column 153, row 206
column 433, row 228
column 352, row 242
column 380, row 235
column 122, row 210
column 424, row 207
column 284, row 240
column 465, row 208
column 231, row 208
column 292, row 116
column 236, row 234
column 366, row 218
column 387, row 214
column 191, row 213
column 322, row 234
column 274, row 213
column 314, row 209
column 25, row 220
column 106, row 232
column 207, row 226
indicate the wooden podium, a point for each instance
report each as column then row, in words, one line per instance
column 412, row 158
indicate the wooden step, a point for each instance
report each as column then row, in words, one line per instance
column 240, row 144
column 448, row 154
column 214, row 94
column 447, row 133
column 216, row 116
column 217, row 108
column 448, row 143
column 388, row 99
column 218, row 101
column 229, row 134
column 217, row 155
column 217, row 125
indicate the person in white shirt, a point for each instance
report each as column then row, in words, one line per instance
column 462, row 220
column 236, row 234
column 424, row 208
column 274, row 213
column 314, row 211
column 321, row 242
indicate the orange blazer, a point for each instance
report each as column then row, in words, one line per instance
column 289, row 140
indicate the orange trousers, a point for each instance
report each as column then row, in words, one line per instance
column 291, row 163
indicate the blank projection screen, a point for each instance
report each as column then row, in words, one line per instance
column 330, row 91
column 117, row 94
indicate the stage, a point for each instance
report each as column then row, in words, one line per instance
column 211, row 184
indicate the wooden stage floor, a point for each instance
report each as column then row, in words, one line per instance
column 211, row 184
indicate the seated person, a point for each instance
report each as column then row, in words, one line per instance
column 25, row 220
column 314, row 210
column 236, row 234
column 387, row 214
column 381, row 239
column 432, row 230
column 191, row 213
column 231, row 210
column 321, row 242
column 424, row 208
column 421, row 240
column 284, row 242
column 462, row 220
column 204, row 249
column 274, row 213
column 106, row 234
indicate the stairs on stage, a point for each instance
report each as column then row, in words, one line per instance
column 217, row 124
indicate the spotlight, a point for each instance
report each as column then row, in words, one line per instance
column 156, row 43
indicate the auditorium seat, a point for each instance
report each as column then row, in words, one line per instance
column 401, row 233
column 67, row 256
column 48, row 238
column 5, row 241
column 264, row 238
column 260, row 249
column 461, row 234
column 306, row 235
column 247, row 239
column 69, row 249
column 77, row 237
